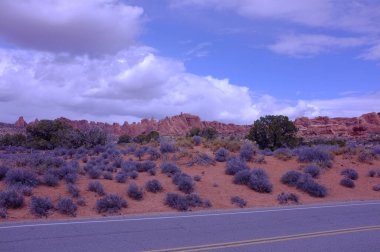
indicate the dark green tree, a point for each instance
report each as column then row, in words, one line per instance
column 273, row 132
column 124, row 139
column 194, row 132
column 47, row 134
column 153, row 136
column 13, row 140
column 209, row 133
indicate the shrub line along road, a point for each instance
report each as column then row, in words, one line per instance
column 353, row 226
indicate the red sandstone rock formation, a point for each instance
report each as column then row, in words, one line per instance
column 365, row 126
column 20, row 122
column 169, row 126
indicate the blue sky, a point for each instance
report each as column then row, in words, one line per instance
column 235, row 47
column 233, row 61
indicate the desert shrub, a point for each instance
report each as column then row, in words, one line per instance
column 121, row 177
column 236, row 200
column 209, row 133
column 366, row 156
column 197, row 178
column 23, row 189
column 107, row 175
column 247, row 151
column 242, row 177
column 71, row 178
column 117, row 162
column 11, row 199
column 40, row 206
column 285, row 198
column 94, row 136
column 313, row 170
column 153, row 186
column 129, row 166
column 266, row 152
column 73, row 190
column 51, row 178
column 184, row 203
column 94, row 172
column 374, row 172
column 48, row 134
column 13, row 140
column 21, row 177
column 273, row 132
column 96, row 187
column 152, row 172
column 308, row 185
column 201, row 159
column 67, row 206
column 230, row 145
column 69, row 168
column 166, row 146
column 259, row 181
column 153, row 153
column 111, row 203
column 81, row 201
column 193, row 200
column 196, row 140
column 317, row 154
column 234, row 165
column 133, row 174
column 350, row 173
column 194, row 132
column 169, row 168
column 3, row 212
column 145, row 166
column 184, row 182
column 177, row 202
column 134, row 192
column 376, row 187
column 3, row 171
column 221, row 155
column 290, row 178
column 347, row 182
column 260, row 159
column 283, row 154
column 139, row 153
column 375, row 150
column 124, row 139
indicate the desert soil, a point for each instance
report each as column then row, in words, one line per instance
column 215, row 186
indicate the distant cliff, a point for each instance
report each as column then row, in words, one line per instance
column 362, row 127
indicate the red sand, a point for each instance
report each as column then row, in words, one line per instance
column 215, row 186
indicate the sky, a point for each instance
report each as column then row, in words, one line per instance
column 230, row 61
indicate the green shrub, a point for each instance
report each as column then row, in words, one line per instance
column 13, row 140
column 124, row 139
column 273, row 132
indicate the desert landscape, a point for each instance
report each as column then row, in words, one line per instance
column 177, row 171
column 189, row 125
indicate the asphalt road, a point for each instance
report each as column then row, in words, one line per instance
column 345, row 227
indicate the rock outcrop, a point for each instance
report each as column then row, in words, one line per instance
column 362, row 127
column 169, row 126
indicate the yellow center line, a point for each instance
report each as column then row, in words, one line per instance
column 269, row 240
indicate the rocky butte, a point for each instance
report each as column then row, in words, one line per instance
column 365, row 126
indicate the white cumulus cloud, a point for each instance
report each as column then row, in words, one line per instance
column 85, row 26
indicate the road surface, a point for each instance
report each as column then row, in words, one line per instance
column 353, row 226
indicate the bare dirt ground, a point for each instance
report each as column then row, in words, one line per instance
column 215, row 186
